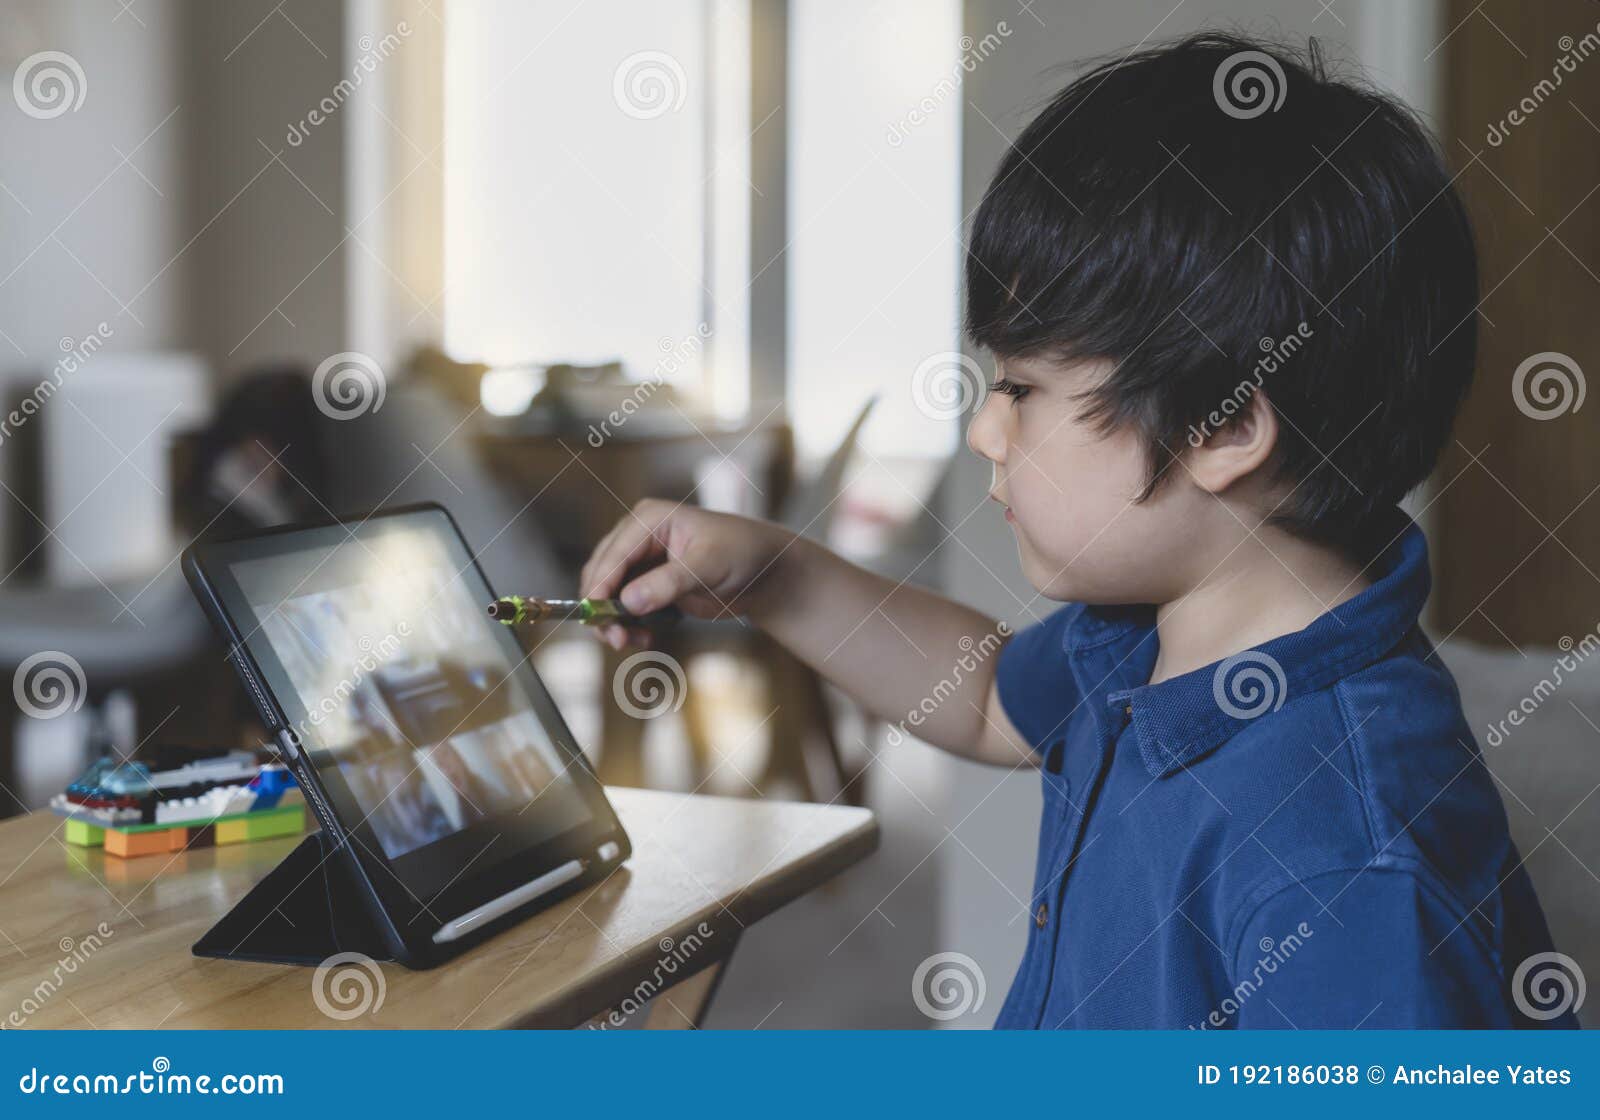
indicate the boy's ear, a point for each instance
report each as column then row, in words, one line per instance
column 1241, row 446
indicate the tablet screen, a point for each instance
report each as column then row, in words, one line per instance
column 413, row 706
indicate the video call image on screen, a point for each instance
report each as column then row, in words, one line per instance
column 406, row 691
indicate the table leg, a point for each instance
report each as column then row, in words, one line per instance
column 682, row 1007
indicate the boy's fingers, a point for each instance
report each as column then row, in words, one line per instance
column 631, row 541
column 659, row 587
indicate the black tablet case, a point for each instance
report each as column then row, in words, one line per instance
column 303, row 912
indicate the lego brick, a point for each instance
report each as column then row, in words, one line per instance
column 262, row 825
column 130, row 844
column 85, row 835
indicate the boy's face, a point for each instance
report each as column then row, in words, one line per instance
column 1069, row 491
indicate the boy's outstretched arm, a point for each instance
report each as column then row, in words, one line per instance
column 896, row 649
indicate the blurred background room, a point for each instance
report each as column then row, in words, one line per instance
column 264, row 261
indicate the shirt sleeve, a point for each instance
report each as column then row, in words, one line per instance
column 1034, row 681
column 1386, row 953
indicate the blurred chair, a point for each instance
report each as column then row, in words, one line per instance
column 98, row 580
column 1548, row 769
column 422, row 445
column 803, row 743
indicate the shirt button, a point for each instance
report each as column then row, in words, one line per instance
column 1041, row 915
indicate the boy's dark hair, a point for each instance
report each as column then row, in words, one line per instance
column 1180, row 210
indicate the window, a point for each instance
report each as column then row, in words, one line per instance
column 874, row 218
column 595, row 174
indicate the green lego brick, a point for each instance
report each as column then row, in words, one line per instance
column 284, row 821
column 85, row 835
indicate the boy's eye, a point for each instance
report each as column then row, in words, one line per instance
column 1008, row 388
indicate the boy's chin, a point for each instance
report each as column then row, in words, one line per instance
column 1070, row 580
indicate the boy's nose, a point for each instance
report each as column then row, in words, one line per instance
column 985, row 437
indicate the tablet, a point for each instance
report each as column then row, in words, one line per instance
column 426, row 743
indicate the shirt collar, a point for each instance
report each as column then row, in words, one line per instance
column 1186, row 717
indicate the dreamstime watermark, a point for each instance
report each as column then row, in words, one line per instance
column 1274, row 354
column 648, row 684
column 372, row 53
column 675, row 955
column 1547, row 385
column 1573, row 654
column 974, row 652
column 348, row 385
column 347, row 986
column 367, row 661
column 1572, row 53
column 73, row 954
column 1274, row 954
column 945, row 385
column 1548, row 985
column 947, row 986
column 1249, row 684
column 74, row 354
column 1248, row 84
column 973, row 52
column 649, row 84
column 158, row 1081
column 674, row 357
column 49, row 684
column 48, row 84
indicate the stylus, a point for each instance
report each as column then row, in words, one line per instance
column 544, row 884
column 514, row 610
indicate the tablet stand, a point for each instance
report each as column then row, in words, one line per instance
column 303, row 912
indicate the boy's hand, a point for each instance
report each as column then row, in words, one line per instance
column 706, row 563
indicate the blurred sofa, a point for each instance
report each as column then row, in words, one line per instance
column 1547, row 766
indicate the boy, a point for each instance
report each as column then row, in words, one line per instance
column 1232, row 308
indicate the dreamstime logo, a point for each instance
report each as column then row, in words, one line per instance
column 73, row 954
column 74, row 355
column 1249, row 684
column 674, row 358
column 1573, row 654
column 1548, row 985
column 1274, row 353
column 1274, row 954
column 947, row 986
column 1573, row 51
column 49, row 84
column 49, row 684
column 1548, row 385
column 347, row 986
column 973, row 52
column 649, row 84
column 1248, row 84
column 675, row 955
column 348, row 385
column 648, row 684
column 974, row 652
column 372, row 53
column 943, row 386
column 371, row 655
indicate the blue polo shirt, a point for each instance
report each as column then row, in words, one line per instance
column 1304, row 835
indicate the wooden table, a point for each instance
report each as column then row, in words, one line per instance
column 703, row 869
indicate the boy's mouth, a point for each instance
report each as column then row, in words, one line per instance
column 1009, row 515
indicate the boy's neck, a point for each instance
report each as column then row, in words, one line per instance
column 1272, row 584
